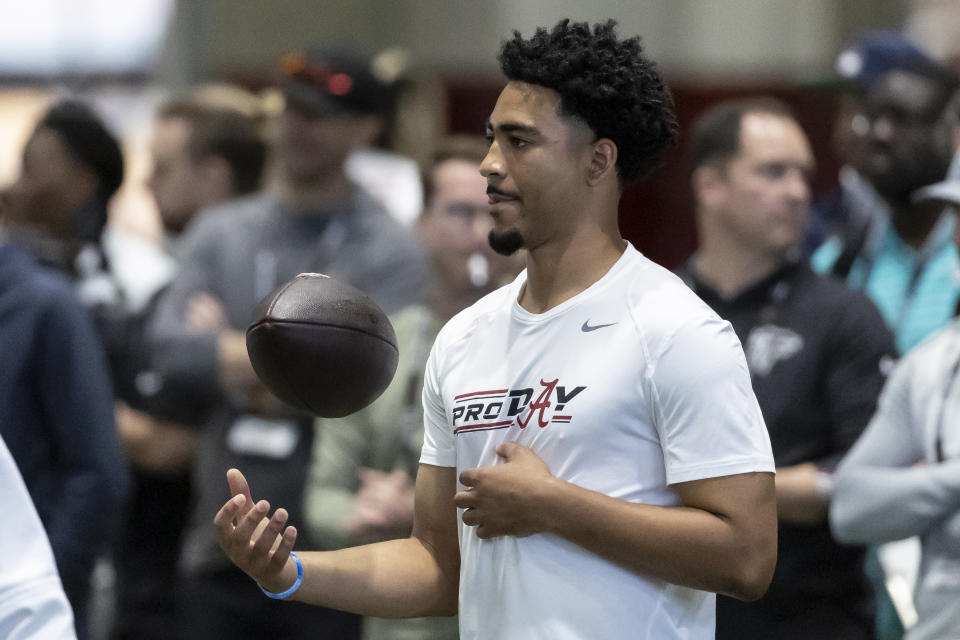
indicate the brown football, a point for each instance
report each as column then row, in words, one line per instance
column 322, row 345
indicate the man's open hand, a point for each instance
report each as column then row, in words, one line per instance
column 255, row 543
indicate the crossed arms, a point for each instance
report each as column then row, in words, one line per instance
column 722, row 538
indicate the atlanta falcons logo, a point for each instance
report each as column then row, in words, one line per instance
column 769, row 344
column 502, row 408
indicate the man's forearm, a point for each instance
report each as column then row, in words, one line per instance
column 410, row 577
column 393, row 579
column 880, row 504
column 688, row 546
column 800, row 495
column 155, row 445
column 415, row 576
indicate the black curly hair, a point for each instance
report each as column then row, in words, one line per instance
column 605, row 82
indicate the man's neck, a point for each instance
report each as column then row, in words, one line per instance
column 559, row 270
column 50, row 250
column 320, row 195
column 732, row 271
column 913, row 223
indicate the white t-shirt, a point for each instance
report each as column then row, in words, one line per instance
column 32, row 602
column 629, row 386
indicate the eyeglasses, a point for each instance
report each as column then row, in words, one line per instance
column 465, row 212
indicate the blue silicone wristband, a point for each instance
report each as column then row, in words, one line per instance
column 296, row 585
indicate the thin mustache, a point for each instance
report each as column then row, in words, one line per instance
column 495, row 191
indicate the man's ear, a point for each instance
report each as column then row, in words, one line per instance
column 707, row 182
column 603, row 161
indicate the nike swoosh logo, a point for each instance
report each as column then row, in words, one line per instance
column 588, row 327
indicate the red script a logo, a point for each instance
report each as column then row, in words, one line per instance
column 541, row 404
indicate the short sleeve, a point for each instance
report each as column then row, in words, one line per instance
column 703, row 404
column 439, row 448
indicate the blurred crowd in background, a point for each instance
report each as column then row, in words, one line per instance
column 140, row 224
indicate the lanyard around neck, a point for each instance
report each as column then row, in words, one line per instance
column 938, row 236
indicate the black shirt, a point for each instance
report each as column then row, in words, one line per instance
column 815, row 352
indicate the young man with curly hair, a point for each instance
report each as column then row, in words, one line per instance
column 595, row 463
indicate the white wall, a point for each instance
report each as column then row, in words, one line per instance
column 722, row 39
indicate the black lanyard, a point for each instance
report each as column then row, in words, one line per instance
column 938, row 432
column 867, row 255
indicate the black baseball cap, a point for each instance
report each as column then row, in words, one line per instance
column 325, row 82
column 874, row 53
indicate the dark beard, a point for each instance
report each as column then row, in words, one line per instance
column 506, row 244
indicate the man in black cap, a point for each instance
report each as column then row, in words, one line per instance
column 312, row 219
column 858, row 67
column 901, row 256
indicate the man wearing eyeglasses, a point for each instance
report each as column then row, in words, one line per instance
column 904, row 259
column 312, row 218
